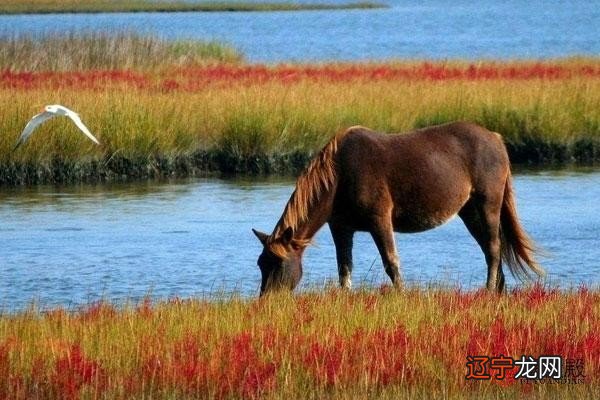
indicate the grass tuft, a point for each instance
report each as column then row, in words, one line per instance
column 84, row 51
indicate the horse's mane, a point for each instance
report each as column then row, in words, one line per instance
column 318, row 177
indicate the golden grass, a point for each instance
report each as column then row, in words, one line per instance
column 263, row 118
column 330, row 344
column 169, row 119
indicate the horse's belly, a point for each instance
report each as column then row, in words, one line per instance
column 423, row 213
column 411, row 223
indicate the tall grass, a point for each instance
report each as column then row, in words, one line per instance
column 77, row 51
column 252, row 118
column 332, row 344
column 97, row 6
column 273, row 117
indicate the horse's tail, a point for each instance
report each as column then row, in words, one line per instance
column 518, row 249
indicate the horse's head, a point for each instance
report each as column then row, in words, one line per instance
column 280, row 262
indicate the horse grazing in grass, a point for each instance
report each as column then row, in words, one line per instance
column 380, row 183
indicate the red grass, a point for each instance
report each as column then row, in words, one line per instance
column 324, row 360
column 82, row 80
column 233, row 369
column 313, row 352
column 197, row 78
column 96, row 311
column 536, row 296
column 73, row 371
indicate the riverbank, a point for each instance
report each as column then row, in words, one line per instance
column 185, row 108
column 202, row 163
column 319, row 344
column 118, row 168
column 257, row 119
column 115, row 6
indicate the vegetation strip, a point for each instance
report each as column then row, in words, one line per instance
column 222, row 162
column 92, row 51
column 104, row 6
column 224, row 66
column 178, row 108
column 165, row 128
column 325, row 344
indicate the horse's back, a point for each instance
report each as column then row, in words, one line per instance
column 425, row 176
column 460, row 145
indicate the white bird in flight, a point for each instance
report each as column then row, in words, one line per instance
column 51, row 112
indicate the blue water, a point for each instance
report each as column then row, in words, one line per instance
column 408, row 29
column 72, row 245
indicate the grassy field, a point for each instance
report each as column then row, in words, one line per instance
column 179, row 108
column 97, row 6
column 325, row 344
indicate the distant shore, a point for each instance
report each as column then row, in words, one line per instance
column 99, row 6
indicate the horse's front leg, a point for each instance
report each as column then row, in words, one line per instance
column 342, row 238
column 382, row 232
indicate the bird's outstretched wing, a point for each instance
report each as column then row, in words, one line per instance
column 75, row 117
column 31, row 125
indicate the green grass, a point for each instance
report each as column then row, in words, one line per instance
column 97, row 6
column 83, row 51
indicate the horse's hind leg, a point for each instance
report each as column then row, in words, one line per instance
column 342, row 238
column 382, row 232
column 482, row 218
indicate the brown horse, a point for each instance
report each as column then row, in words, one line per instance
column 380, row 183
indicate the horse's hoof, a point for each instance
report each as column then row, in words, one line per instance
column 346, row 283
column 398, row 285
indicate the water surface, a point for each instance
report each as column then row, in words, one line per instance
column 76, row 244
column 437, row 29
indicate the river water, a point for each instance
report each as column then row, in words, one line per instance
column 76, row 244
column 433, row 29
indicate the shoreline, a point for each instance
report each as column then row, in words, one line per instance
column 168, row 7
column 220, row 296
column 117, row 168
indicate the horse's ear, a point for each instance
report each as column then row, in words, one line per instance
column 261, row 236
column 287, row 236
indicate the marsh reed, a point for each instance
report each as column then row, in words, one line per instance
column 85, row 51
